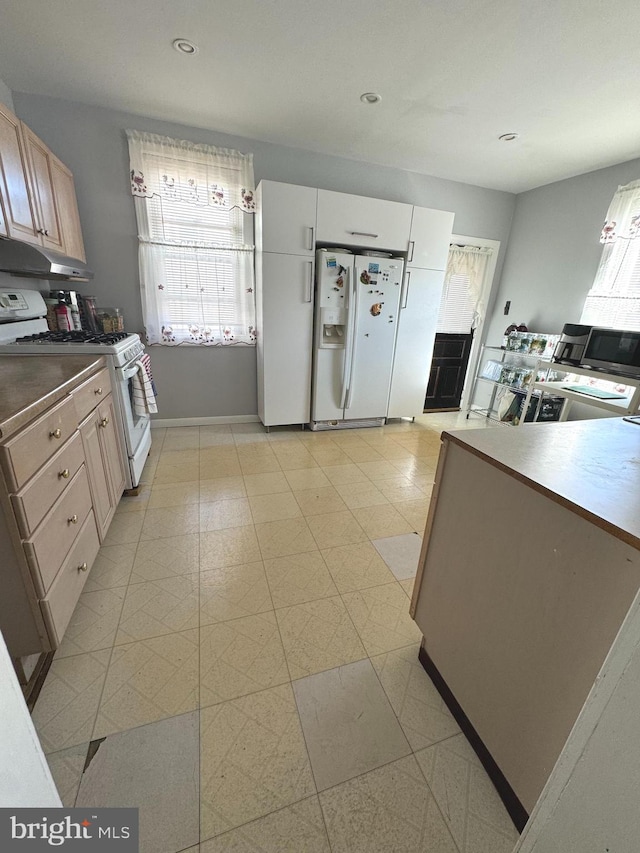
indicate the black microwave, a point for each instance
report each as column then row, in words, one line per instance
column 613, row 350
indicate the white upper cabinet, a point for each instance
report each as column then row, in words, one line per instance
column 353, row 220
column 430, row 238
column 286, row 218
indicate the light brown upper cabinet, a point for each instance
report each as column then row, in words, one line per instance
column 39, row 165
column 65, row 195
column 20, row 219
column 36, row 191
column 3, row 221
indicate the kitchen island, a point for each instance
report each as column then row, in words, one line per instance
column 530, row 562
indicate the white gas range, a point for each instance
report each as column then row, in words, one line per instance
column 23, row 329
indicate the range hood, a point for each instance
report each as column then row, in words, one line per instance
column 25, row 259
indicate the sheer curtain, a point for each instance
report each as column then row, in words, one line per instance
column 193, row 207
column 461, row 306
column 614, row 299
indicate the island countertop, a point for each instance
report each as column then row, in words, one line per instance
column 592, row 467
column 30, row 384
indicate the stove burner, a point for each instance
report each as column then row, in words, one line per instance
column 79, row 336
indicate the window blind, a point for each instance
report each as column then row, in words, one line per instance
column 614, row 299
column 456, row 307
column 461, row 304
column 193, row 206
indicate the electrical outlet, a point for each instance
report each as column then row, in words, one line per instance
column 507, row 307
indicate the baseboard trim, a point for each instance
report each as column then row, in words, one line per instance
column 163, row 423
column 514, row 807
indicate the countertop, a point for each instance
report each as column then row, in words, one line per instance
column 592, row 467
column 30, row 384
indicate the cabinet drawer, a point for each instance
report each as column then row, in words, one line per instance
column 23, row 455
column 50, row 544
column 87, row 396
column 353, row 220
column 62, row 598
column 32, row 503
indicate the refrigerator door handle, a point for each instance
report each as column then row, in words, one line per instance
column 353, row 311
column 405, row 289
column 348, row 344
column 309, row 294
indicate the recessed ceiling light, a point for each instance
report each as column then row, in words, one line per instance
column 508, row 137
column 185, row 46
column 370, row 98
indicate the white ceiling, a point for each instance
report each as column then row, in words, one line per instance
column 453, row 75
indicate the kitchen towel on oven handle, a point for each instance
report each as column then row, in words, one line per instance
column 143, row 398
column 146, row 363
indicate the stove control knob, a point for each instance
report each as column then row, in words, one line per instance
column 55, row 433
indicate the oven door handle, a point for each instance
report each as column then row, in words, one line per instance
column 127, row 373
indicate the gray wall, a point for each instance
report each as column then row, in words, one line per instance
column 6, row 97
column 554, row 250
column 201, row 382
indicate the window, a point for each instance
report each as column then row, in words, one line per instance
column 194, row 206
column 614, row 299
column 460, row 306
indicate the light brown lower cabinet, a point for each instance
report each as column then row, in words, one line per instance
column 61, row 478
column 104, row 466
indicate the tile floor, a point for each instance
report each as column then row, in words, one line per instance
column 242, row 665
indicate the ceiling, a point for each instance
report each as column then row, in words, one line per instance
column 453, row 76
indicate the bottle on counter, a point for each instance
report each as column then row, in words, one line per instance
column 63, row 316
column 52, row 319
column 75, row 317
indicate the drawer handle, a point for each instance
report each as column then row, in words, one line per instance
column 46, row 232
column 104, row 422
column 98, row 391
column 55, row 433
column 73, row 519
column 83, row 567
column 64, row 473
column 362, row 234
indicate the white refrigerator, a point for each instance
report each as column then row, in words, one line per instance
column 356, row 317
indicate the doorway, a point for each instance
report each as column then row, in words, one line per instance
column 465, row 299
column 448, row 371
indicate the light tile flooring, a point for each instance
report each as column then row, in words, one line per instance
column 243, row 661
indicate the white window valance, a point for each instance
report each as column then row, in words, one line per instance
column 614, row 299
column 193, row 204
